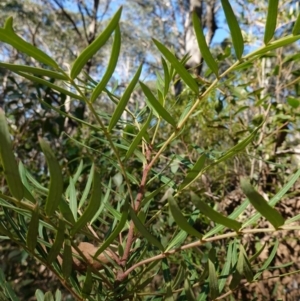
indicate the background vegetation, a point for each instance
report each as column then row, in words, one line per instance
column 143, row 148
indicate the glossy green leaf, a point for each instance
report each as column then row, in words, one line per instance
column 213, row 280
column 89, row 51
column 58, row 242
column 261, row 205
column 116, row 231
column 156, row 106
column 205, row 52
column 134, row 144
column 32, row 234
column 50, row 85
column 56, row 179
column 214, row 215
column 124, row 100
column 34, row 70
column 271, row 20
column 67, row 261
column 8, row 35
column 194, row 173
column 296, row 27
column 180, row 219
column 143, row 230
column 268, row 261
column 111, row 65
column 92, row 207
column 8, row 161
column 235, row 31
column 243, row 265
column 184, row 74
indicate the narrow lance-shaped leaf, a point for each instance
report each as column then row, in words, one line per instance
column 32, row 234
column 271, row 20
column 213, row 280
column 88, row 52
column 243, row 265
column 48, row 84
column 67, row 261
column 208, row 58
column 184, row 74
column 188, row 290
column 58, row 242
column 180, row 219
column 261, row 205
column 296, row 28
column 34, row 70
column 138, row 137
column 88, row 283
column 235, row 31
column 8, row 160
column 116, row 231
column 214, row 215
column 8, row 35
column 194, row 173
column 155, row 104
column 56, row 179
column 145, row 233
column 93, row 205
column 124, row 100
column 111, row 65
column 268, row 261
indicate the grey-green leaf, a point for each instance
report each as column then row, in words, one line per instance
column 32, row 234
column 213, row 280
column 88, row 52
column 138, row 137
column 180, row 219
column 271, row 20
column 124, row 100
column 111, row 65
column 58, row 242
column 184, row 74
column 145, row 233
column 214, row 215
column 92, row 207
column 8, row 35
column 8, row 161
column 155, row 105
column 67, row 261
column 194, row 173
column 261, row 205
column 206, row 54
column 235, row 30
column 56, row 179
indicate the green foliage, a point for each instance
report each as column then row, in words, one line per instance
column 131, row 188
